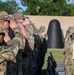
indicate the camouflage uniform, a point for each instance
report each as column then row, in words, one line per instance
column 29, row 36
column 10, row 51
column 11, row 66
column 29, row 62
column 4, row 16
column 42, row 49
column 17, row 16
column 28, row 54
column 42, row 29
column 69, row 52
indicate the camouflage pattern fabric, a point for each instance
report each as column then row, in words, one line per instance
column 3, row 68
column 17, row 16
column 2, row 31
column 42, row 32
column 36, row 31
column 40, row 47
column 29, row 62
column 32, row 64
column 12, row 67
column 42, row 29
column 29, row 36
column 70, row 28
column 4, row 16
column 9, row 52
column 69, row 61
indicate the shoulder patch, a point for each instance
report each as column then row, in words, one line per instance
column 7, row 46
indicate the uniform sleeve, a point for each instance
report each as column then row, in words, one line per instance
column 9, row 52
column 29, row 30
column 29, row 36
column 18, row 37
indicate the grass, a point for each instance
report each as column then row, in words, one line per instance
column 57, row 54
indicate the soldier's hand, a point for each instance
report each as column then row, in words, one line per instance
column 23, row 29
column 13, row 24
column 26, row 21
column 6, row 37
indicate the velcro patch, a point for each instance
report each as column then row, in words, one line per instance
column 7, row 46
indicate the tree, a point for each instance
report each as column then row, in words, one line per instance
column 72, row 9
column 10, row 6
column 48, row 7
column 59, row 6
column 36, row 7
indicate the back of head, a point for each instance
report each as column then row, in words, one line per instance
column 42, row 29
column 70, row 28
column 18, row 15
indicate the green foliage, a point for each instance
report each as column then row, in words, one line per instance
column 66, row 11
column 10, row 6
column 48, row 7
column 72, row 9
column 57, row 54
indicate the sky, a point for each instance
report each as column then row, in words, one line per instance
column 18, row 1
column 71, row 1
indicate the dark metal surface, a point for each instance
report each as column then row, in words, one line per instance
column 55, row 35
